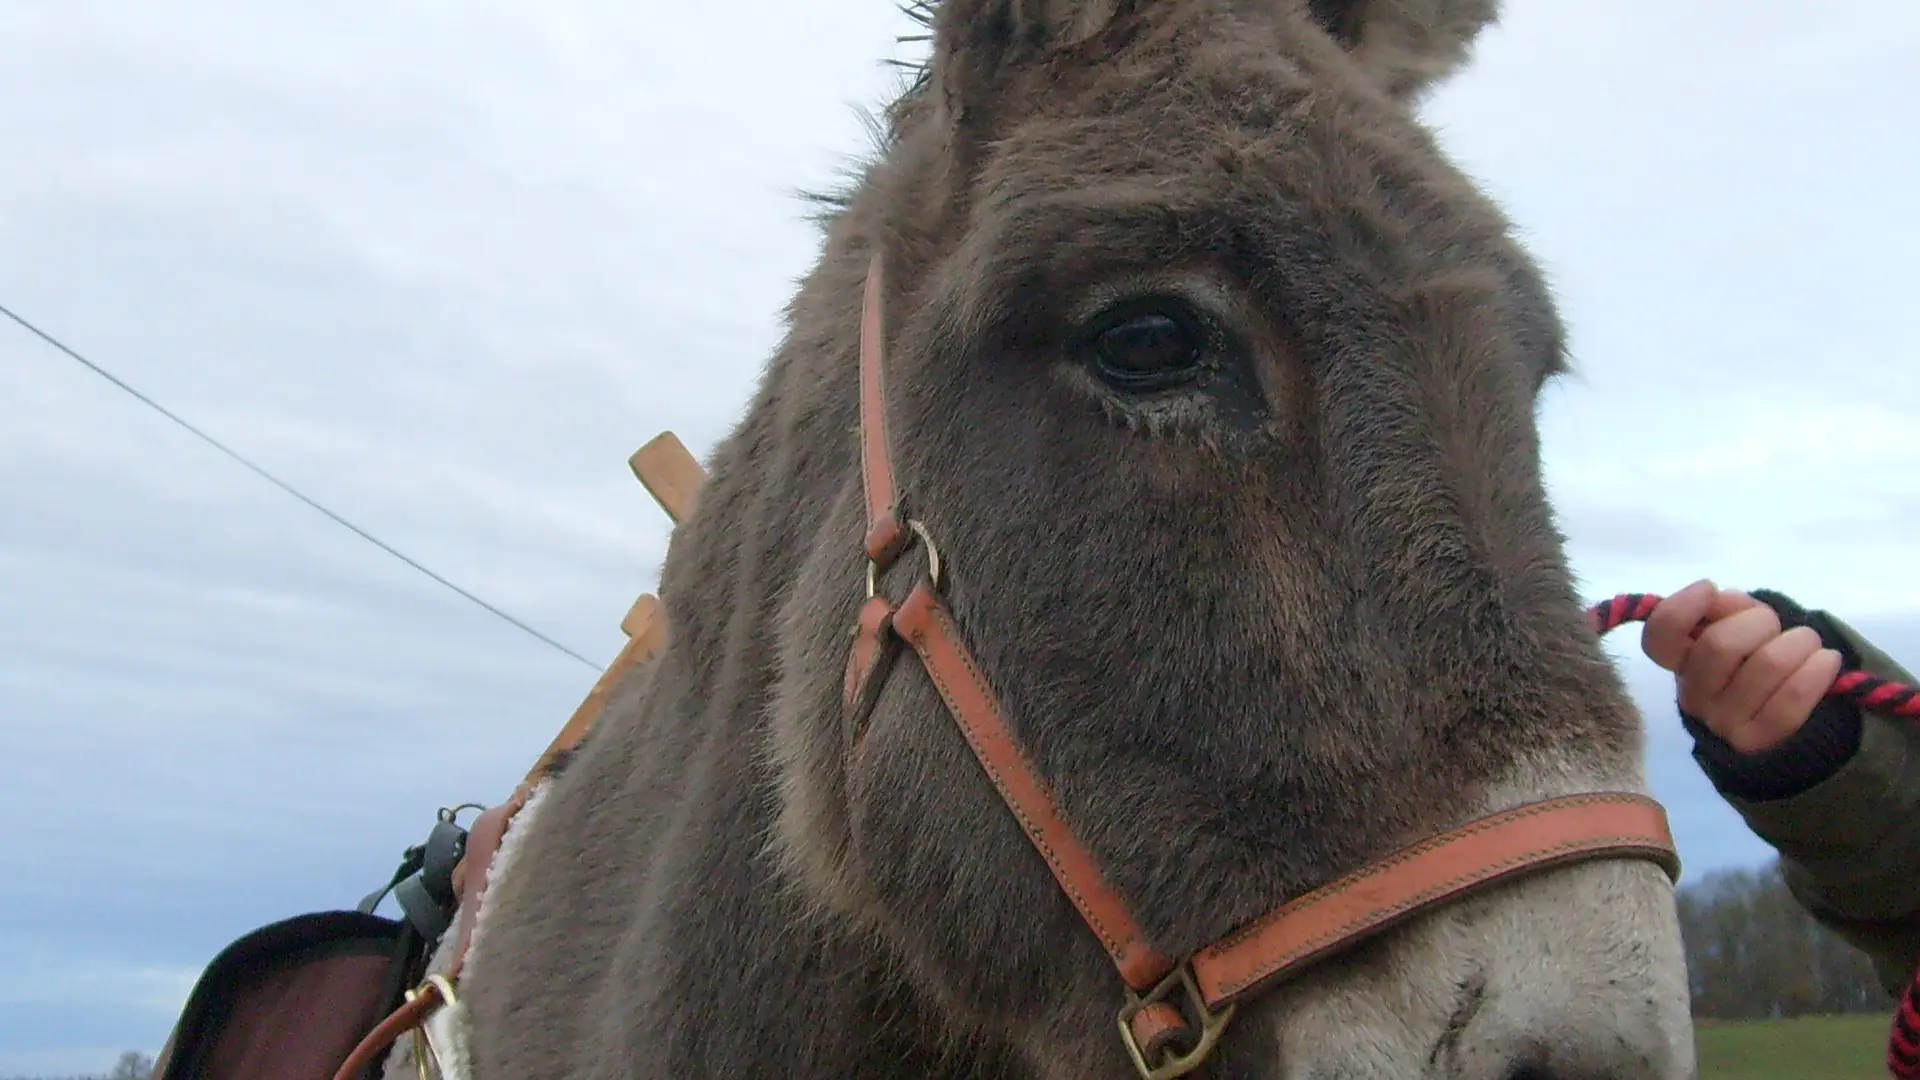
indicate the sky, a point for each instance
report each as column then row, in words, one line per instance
column 444, row 266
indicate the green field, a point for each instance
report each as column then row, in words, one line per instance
column 1814, row 1048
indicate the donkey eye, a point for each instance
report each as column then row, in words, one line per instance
column 1148, row 349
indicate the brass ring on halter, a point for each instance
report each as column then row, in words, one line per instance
column 920, row 533
column 1212, row 1025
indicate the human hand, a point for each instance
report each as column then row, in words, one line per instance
column 1747, row 680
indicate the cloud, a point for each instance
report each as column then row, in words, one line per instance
column 1625, row 529
column 159, row 989
column 445, row 270
column 444, row 274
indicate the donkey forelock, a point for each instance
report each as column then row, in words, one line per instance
column 1214, row 382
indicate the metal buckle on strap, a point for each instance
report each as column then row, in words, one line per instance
column 1174, row 1062
column 917, row 532
column 428, row 1061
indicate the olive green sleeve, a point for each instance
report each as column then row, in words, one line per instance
column 1850, row 845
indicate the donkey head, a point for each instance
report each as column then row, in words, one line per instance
column 1214, row 383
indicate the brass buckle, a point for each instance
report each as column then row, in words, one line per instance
column 1212, row 1026
column 427, row 1060
column 918, row 532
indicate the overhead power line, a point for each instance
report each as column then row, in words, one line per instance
column 286, row 487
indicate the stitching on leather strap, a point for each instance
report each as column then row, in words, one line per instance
column 1651, row 844
column 881, row 493
column 1416, row 850
column 1416, row 901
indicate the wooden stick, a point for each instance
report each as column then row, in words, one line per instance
column 642, row 617
column 671, row 474
column 646, row 628
column 673, row 477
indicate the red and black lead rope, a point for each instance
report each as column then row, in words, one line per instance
column 1868, row 692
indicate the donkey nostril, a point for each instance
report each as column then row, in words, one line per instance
column 1530, row 1072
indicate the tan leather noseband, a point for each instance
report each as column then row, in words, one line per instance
column 1175, row 1011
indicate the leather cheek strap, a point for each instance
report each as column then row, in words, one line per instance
column 927, row 626
column 886, row 531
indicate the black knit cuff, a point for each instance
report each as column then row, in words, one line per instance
column 1803, row 760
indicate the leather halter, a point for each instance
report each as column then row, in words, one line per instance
column 1162, row 993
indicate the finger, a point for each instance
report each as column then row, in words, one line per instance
column 1733, row 712
column 1668, row 633
column 1718, row 653
column 1730, row 602
column 1787, row 710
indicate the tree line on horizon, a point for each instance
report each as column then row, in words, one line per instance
column 1753, row 953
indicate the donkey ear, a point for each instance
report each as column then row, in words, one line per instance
column 978, row 43
column 1409, row 45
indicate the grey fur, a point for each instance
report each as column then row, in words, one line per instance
column 1254, row 633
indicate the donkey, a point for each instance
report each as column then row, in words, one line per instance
column 1210, row 384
